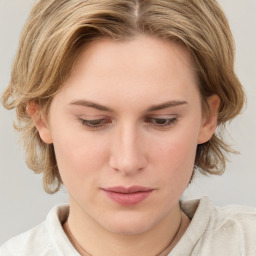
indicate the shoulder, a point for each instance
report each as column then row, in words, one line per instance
column 243, row 215
column 32, row 242
column 238, row 222
column 235, row 218
column 216, row 216
column 229, row 230
column 41, row 240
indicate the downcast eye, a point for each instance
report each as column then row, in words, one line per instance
column 161, row 121
column 96, row 123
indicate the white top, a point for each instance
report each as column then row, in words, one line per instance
column 213, row 231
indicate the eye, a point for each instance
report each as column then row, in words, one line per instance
column 161, row 122
column 95, row 123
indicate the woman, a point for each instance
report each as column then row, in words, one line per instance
column 119, row 101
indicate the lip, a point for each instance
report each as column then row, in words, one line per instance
column 128, row 196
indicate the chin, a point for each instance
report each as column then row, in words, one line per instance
column 130, row 224
column 130, row 229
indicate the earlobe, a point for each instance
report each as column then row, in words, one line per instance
column 34, row 111
column 209, row 123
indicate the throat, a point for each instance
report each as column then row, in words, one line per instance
column 159, row 243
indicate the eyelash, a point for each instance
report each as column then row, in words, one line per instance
column 160, row 123
column 96, row 123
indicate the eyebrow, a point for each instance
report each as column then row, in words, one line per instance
column 91, row 104
column 164, row 105
column 167, row 104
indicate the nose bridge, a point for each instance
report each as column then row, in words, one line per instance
column 128, row 155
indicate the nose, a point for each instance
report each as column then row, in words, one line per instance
column 128, row 153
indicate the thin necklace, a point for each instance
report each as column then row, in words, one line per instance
column 85, row 253
column 167, row 250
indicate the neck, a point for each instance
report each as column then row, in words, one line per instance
column 85, row 235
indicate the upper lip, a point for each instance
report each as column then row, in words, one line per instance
column 126, row 190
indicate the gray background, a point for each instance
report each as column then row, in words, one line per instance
column 23, row 203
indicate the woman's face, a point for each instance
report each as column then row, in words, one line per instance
column 125, row 129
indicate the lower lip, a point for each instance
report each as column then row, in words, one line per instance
column 128, row 199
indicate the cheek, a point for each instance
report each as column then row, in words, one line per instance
column 78, row 157
column 176, row 155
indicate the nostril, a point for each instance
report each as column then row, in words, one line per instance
column 127, row 165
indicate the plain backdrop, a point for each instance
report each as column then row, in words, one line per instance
column 23, row 203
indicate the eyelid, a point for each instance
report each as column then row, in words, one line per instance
column 99, row 122
column 167, row 121
column 162, row 116
column 161, row 122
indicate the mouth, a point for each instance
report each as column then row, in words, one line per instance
column 128, row 196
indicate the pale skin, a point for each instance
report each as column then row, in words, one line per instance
column 129, row 114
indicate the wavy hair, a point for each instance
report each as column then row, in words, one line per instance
column 57, row 30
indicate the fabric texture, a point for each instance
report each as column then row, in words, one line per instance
column 213, row 231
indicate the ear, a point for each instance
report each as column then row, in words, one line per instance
column 40, row 122
column 209, row 122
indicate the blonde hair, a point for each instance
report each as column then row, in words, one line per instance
column 57, row 30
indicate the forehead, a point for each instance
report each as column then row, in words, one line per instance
column 143, row 51
column 144, row 65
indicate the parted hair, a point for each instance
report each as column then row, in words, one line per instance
column 56, row 31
